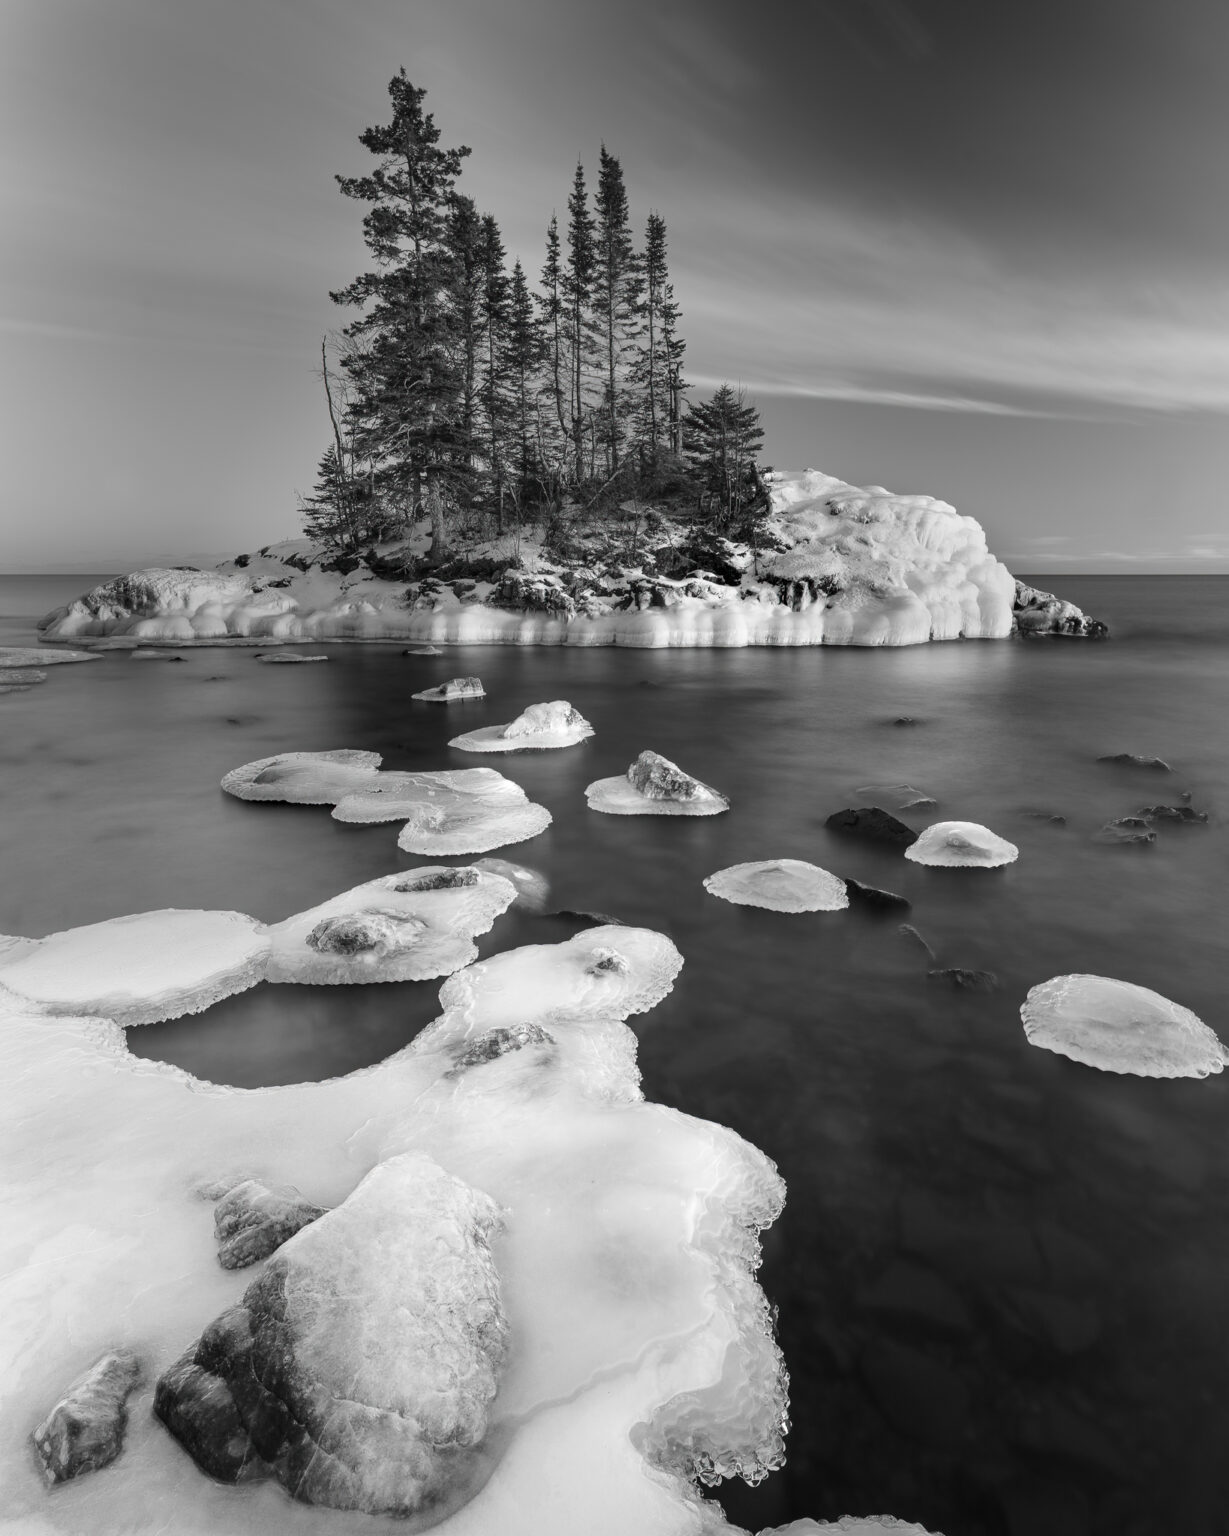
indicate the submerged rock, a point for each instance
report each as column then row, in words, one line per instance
column 359, row 1368
column 1126, row 830
column 283, row 659
column 254, row 1219
column 1134, row 760
column 872, row 896
column 85, row 1430
column 873, row 822
column 1041, row 613
column 903, row 796
column 965, row 980
column 1180, row 813
column 961, row 844
column 454, row 688
column 1119, row 1027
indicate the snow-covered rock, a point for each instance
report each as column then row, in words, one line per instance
column 961, row 844
column 304, row 778
column 1041, row 613
column 1120, row 1027
column 40, row 656
column 140, row 969
column 654, row 786
column 849, row 566
column 780, row 885
column 540, row 726
column 402, row 927
column 455, row 688
column 85, row 1430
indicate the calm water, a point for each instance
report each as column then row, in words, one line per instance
column 1000, row 1275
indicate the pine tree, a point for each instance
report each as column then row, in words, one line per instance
column 494, row 315
column 578, row 280
column 649, row 371
column 527, row 351
column 723, row 444
column 409, row 375
column 552, row 307
column 673, row 347
column 616, row 292
column 465, row 240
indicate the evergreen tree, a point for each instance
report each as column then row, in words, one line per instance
column 578, row 280
column 527, row 351
column 649, row 371
column 552, row 307
column 465, row 240
column 494, row 315
column 409, row 376
column 723, row 444
column 616, row 291
column 673, row 347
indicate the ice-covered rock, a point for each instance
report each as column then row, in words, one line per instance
column 289, row 656
column 540, row 726
column 604, row 972
column 851, row 1525
column 403, row 927
column 960, row 844
column 85, row 1430
column 423, row 650
column 396, row 796
column 873, row 822
column 1041, row 613
column 304, row 778
column 357, row 1370
column 654, row 786
column 12, row 656
column 140, row 969
column 780, row 885
column 252, row 1220
column 455, row 688
column 1119, row 1027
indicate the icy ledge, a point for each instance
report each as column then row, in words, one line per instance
column 613, row 1350
column 845, row 566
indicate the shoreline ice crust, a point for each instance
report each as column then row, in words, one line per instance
column 540, row 726
column 410, row 926
column 860, row 566
column 779, row 885
column 304, row 778
column 141, row 969
column 1117, row 1026
column 642, row 1355
column 961, row 845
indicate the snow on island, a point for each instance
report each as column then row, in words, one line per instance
column 836, row 565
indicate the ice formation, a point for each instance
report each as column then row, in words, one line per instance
column 642, row 1353
column 21, row 677
column 1120, row 1027
column 472, row 823
column 654, row 786
column 290, row 656
column 532, row 886
column 961, row 844
column 304, row 778
column 455, row 688
column 395, row 796
column 541, row 725
column 404, row 927
column 40, row 656
column 140, row 969
column 851, row 1525
column 252, row 1219
column 850, row 566
column 780, row 885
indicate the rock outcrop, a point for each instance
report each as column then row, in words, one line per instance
column 85, row 1429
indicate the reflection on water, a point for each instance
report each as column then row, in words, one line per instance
column 999, row 1274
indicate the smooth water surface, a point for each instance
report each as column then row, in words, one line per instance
column 1000, row 1275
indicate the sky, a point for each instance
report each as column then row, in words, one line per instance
column 973, row 248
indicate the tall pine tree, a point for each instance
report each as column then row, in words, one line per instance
column 408, row 375
column 578, row 278
column 527, row 351
column 649, row 372
column 494, row 313
column 616, row 292
column 553, row 321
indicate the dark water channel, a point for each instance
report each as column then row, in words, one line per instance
column 1000, row 1275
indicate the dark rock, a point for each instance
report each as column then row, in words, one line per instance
column 1041, row 613
column 85, row 1429
column 607, row 961
column 873, row 822
column 1182, row 813
column 589, row 919
column 920, row 1396
column 872, row 896
column 964, row 980
column 498, row 1042
column 657, row 778
column 1133, row 760
column 1050, row 816
column 440, row 880
column 1126, row 830
column 908, row 931
column 319, row 1377
column 351, row 934
column 906, row 720
column 241, row 562
column 913, row 1292
column 534, row 594
column 254, row 1219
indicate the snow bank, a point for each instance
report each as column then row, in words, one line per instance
column 404, row 927
column 622, row 1236
column 849, row 566
column 540, row 726
column 780, row 885
column 1120, row 1027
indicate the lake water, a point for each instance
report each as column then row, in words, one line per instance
column 1000, row 1275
